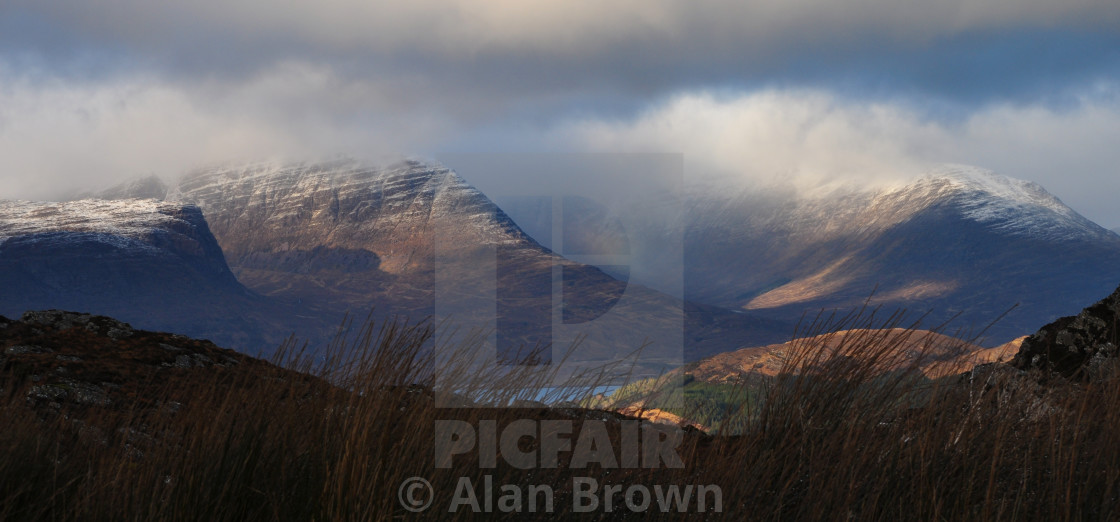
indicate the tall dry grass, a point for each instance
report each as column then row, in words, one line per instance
column 859, row 433
column 852, row 434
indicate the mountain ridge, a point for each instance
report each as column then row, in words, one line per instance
column 341, row 236
column 959, row 240
column 151, row 263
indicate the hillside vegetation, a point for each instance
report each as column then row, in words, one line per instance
column 849, row 434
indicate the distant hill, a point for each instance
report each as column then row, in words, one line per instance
column 960, row 240
column 938, row 354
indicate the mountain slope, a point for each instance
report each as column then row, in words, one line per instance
column 337, row 237
column 960, row 240
column 150, row 263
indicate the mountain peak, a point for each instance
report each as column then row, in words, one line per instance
column 145, row 187
column 966, row 178
column 1014, row 206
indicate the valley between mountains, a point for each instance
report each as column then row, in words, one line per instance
column 249, row 255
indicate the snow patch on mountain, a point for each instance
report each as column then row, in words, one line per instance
column 1018, row 207
column 1007, row 205
column 125, row 224
column 398, row 201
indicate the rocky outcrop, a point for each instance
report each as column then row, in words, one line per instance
column 63, row 361
column 1075, row 346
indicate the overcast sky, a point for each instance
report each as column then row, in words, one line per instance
column 819, row 91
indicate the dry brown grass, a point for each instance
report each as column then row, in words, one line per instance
column 835, row 438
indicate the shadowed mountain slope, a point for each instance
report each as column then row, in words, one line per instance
column 151, row 263
column 958, row 241
column 337, row 237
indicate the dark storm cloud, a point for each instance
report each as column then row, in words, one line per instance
column 130, row 86
column 502, row 56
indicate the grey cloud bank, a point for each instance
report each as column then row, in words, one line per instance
column 866, row 91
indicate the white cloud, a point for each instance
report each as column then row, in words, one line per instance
column 818, row 141
column 57, row 137
column 807, row 137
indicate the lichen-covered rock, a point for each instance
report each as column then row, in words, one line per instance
column 68, row 391
column 25, row 349
column 1075, row 346
column 61, row 361
column 62, row 320
column 57, row 319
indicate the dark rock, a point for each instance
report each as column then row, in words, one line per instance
column 68, row 391
column 119, row 333
column 47, row 392
column 85, row 393
column 196, row 360
column 525, row 403
column 57, row 319
column 1075, row 346
column 183, row 361
column 566, row 405
column 26, row 349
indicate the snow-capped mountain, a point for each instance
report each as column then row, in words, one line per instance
column 151, row 263
column 1013, row 206
column 271, row 208
column 958, row 240
column 337, row 237
column 326, row 238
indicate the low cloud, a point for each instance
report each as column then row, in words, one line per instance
column 807, row 138
column 58, row 138
column 818, row 141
